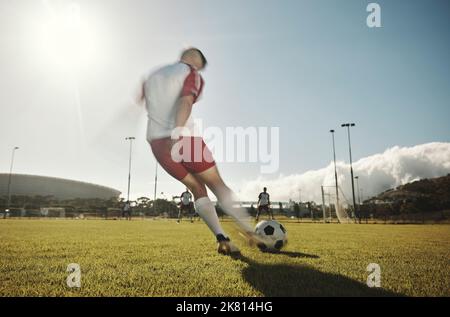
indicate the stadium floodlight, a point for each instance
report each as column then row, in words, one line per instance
column 8, row 204
column 156, row 181
column 357, row 189
column 156, row 186
column 348, row 125
column 129, row 165
column 335, row 176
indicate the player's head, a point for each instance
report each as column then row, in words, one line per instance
column 187, row 189
column 265, row 189
column 194, row 57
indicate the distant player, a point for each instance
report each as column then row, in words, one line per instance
column 186, row 206
column 264, row 204
column 126, row 210
column 169, row 95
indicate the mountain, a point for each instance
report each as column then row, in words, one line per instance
column 425, row 195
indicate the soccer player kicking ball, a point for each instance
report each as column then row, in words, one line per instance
column 169, row 94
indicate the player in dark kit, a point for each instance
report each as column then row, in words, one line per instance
column 186, row 206
column 264, row 204
column 126, row 210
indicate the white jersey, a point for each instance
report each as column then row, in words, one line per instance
column 263, row 199
column 162, row 90
column 186, row 198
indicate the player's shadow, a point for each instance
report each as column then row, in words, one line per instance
column 296, row 254
column 301, row 280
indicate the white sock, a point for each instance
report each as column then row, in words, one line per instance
column 207, row 212
column 239, row 214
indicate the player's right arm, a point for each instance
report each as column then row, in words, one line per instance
column 184, row 109
column 139, row 96
column 192, row 88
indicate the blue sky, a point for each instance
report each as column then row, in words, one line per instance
column 303, row 66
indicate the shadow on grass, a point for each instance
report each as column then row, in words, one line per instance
column 295, row 254
column 301, row 280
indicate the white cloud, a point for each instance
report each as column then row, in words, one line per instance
column 396, row 166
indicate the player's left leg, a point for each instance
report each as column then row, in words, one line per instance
column 179, row 214
column 258, row 212
column 162, row 149
column 191, row 212
column 270, row 212
column 202, row 167
column 212, row 179
column 207, row 212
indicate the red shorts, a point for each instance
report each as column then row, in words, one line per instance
column 197, row 157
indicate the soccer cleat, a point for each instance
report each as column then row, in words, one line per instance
column 225, row 246
column 254, row 240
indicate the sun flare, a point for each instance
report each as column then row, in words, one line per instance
column 65, row 38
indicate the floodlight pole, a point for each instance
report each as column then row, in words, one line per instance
column 335, row 176
column 8, row 204
column 357, row 189
column 323, row 204
column 348, row 125
column 156, row 180
column 129, row 166
column 156, row 185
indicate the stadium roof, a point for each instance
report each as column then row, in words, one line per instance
column 60, row 188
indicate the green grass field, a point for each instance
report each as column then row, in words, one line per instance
column 161, row 258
